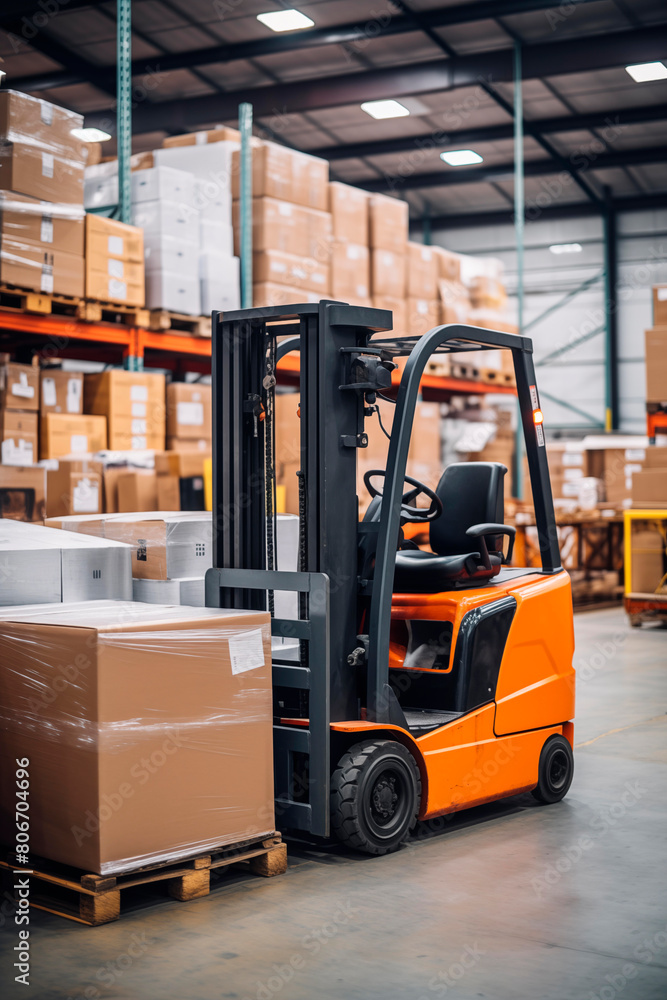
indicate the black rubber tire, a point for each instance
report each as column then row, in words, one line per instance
column 375, row 796
column 555, row 771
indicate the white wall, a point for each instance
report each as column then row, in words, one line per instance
column 578, row 376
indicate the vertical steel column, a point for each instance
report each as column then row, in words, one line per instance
column 124, row 106
column 611, row 315
column 519, row 213
column 245, row 205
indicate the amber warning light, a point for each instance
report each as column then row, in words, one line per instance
column 538, row 417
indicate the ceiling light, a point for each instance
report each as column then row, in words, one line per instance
column 461, row 157
column 384, row 109
column 565, row 248
column 645, row 72
column 90, row 134
column 285, row 20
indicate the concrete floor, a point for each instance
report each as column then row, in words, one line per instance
column 512, row 900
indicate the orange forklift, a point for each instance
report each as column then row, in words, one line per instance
column 410, row 683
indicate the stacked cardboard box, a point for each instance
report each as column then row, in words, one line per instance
column 100, row 186
column 43, row 565
column 208, row 157
column 388, row 241
column 19, row 412
column 350, row 255
column 133, row 404
column 114, row 261
column 189, row 422
column 656, row 351
column 291, row 224
column 133, row 664
column 41, row 196
column 73, row 486
column 164, row 206
column 180, row 479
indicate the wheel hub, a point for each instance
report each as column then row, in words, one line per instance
column 558, row 769
column 384, row 797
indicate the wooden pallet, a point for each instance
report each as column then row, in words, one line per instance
column 95, row 899
column 491, row 376
column 162, row 320
column 438, row 367
column 96, row 311
column 26, row 300
column 459, row 370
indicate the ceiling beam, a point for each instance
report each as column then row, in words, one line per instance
column 383, row 25
column 578, row 162
column 582, row 209
column 571, row 55
column 440, row 139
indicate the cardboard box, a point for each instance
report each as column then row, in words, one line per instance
column 64, row 434
column 388, row 223
column 23, row 492
column 398, row 308
column 211, row 163
column 182, row 464
column 133, row 699
column 41, row 268
column 114, row 261
column 49, row 126
column 448, row 263
column 219, row 134
column 615, row 459
column 388, row 273
column 85, row 524
column 656, row 364
column 137, row 490
column 647, row 561
column 107, row 238
column 60, row 391
column 422, row 280
column 350, row 271
column 279, row 172
column 289, row 269
column 168, row 490
column 165, row 545
column 31, row 169
column 180, row 479
column 269, row 294
column 19, row 385
column 487, row 293
column 74, row 487
column 649, row 488
column 349, row 213
column 189, row 410
column 279, row 225
column 422, row 315
column 455, row 302
column 29, row 221
column 167, row 253
column 188, row 592
column 164, row 184
column 134, row 405
column 18, row 437
column 174, row 291
column 44, row 565
column 219, row 283
column 215, row 236
column 168, row 218
column 115, row 464
column 100, row 186
column 188, row 444
column 660, row 305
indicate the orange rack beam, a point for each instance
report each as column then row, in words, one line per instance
column 59, row 331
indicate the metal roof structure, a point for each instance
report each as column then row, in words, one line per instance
column 592, row 135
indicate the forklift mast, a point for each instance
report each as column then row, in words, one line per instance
column 343, row 363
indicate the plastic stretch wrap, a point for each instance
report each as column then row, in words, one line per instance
column 39, row 154
column 148, row 729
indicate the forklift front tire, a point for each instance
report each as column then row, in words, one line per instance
column 555, row 771
column 375, row 796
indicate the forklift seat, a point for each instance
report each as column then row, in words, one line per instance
column 467, row 537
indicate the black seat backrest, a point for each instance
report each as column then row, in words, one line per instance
column 471, row 493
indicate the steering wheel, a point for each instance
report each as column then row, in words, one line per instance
column 412, row 515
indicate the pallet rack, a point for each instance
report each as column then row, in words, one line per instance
column 63, row 337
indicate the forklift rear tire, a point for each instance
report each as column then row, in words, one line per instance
column 556, row 770
column 375, row 796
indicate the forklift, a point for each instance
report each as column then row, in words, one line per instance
column 420, row 682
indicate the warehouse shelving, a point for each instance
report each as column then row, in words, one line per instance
column 65, row 337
